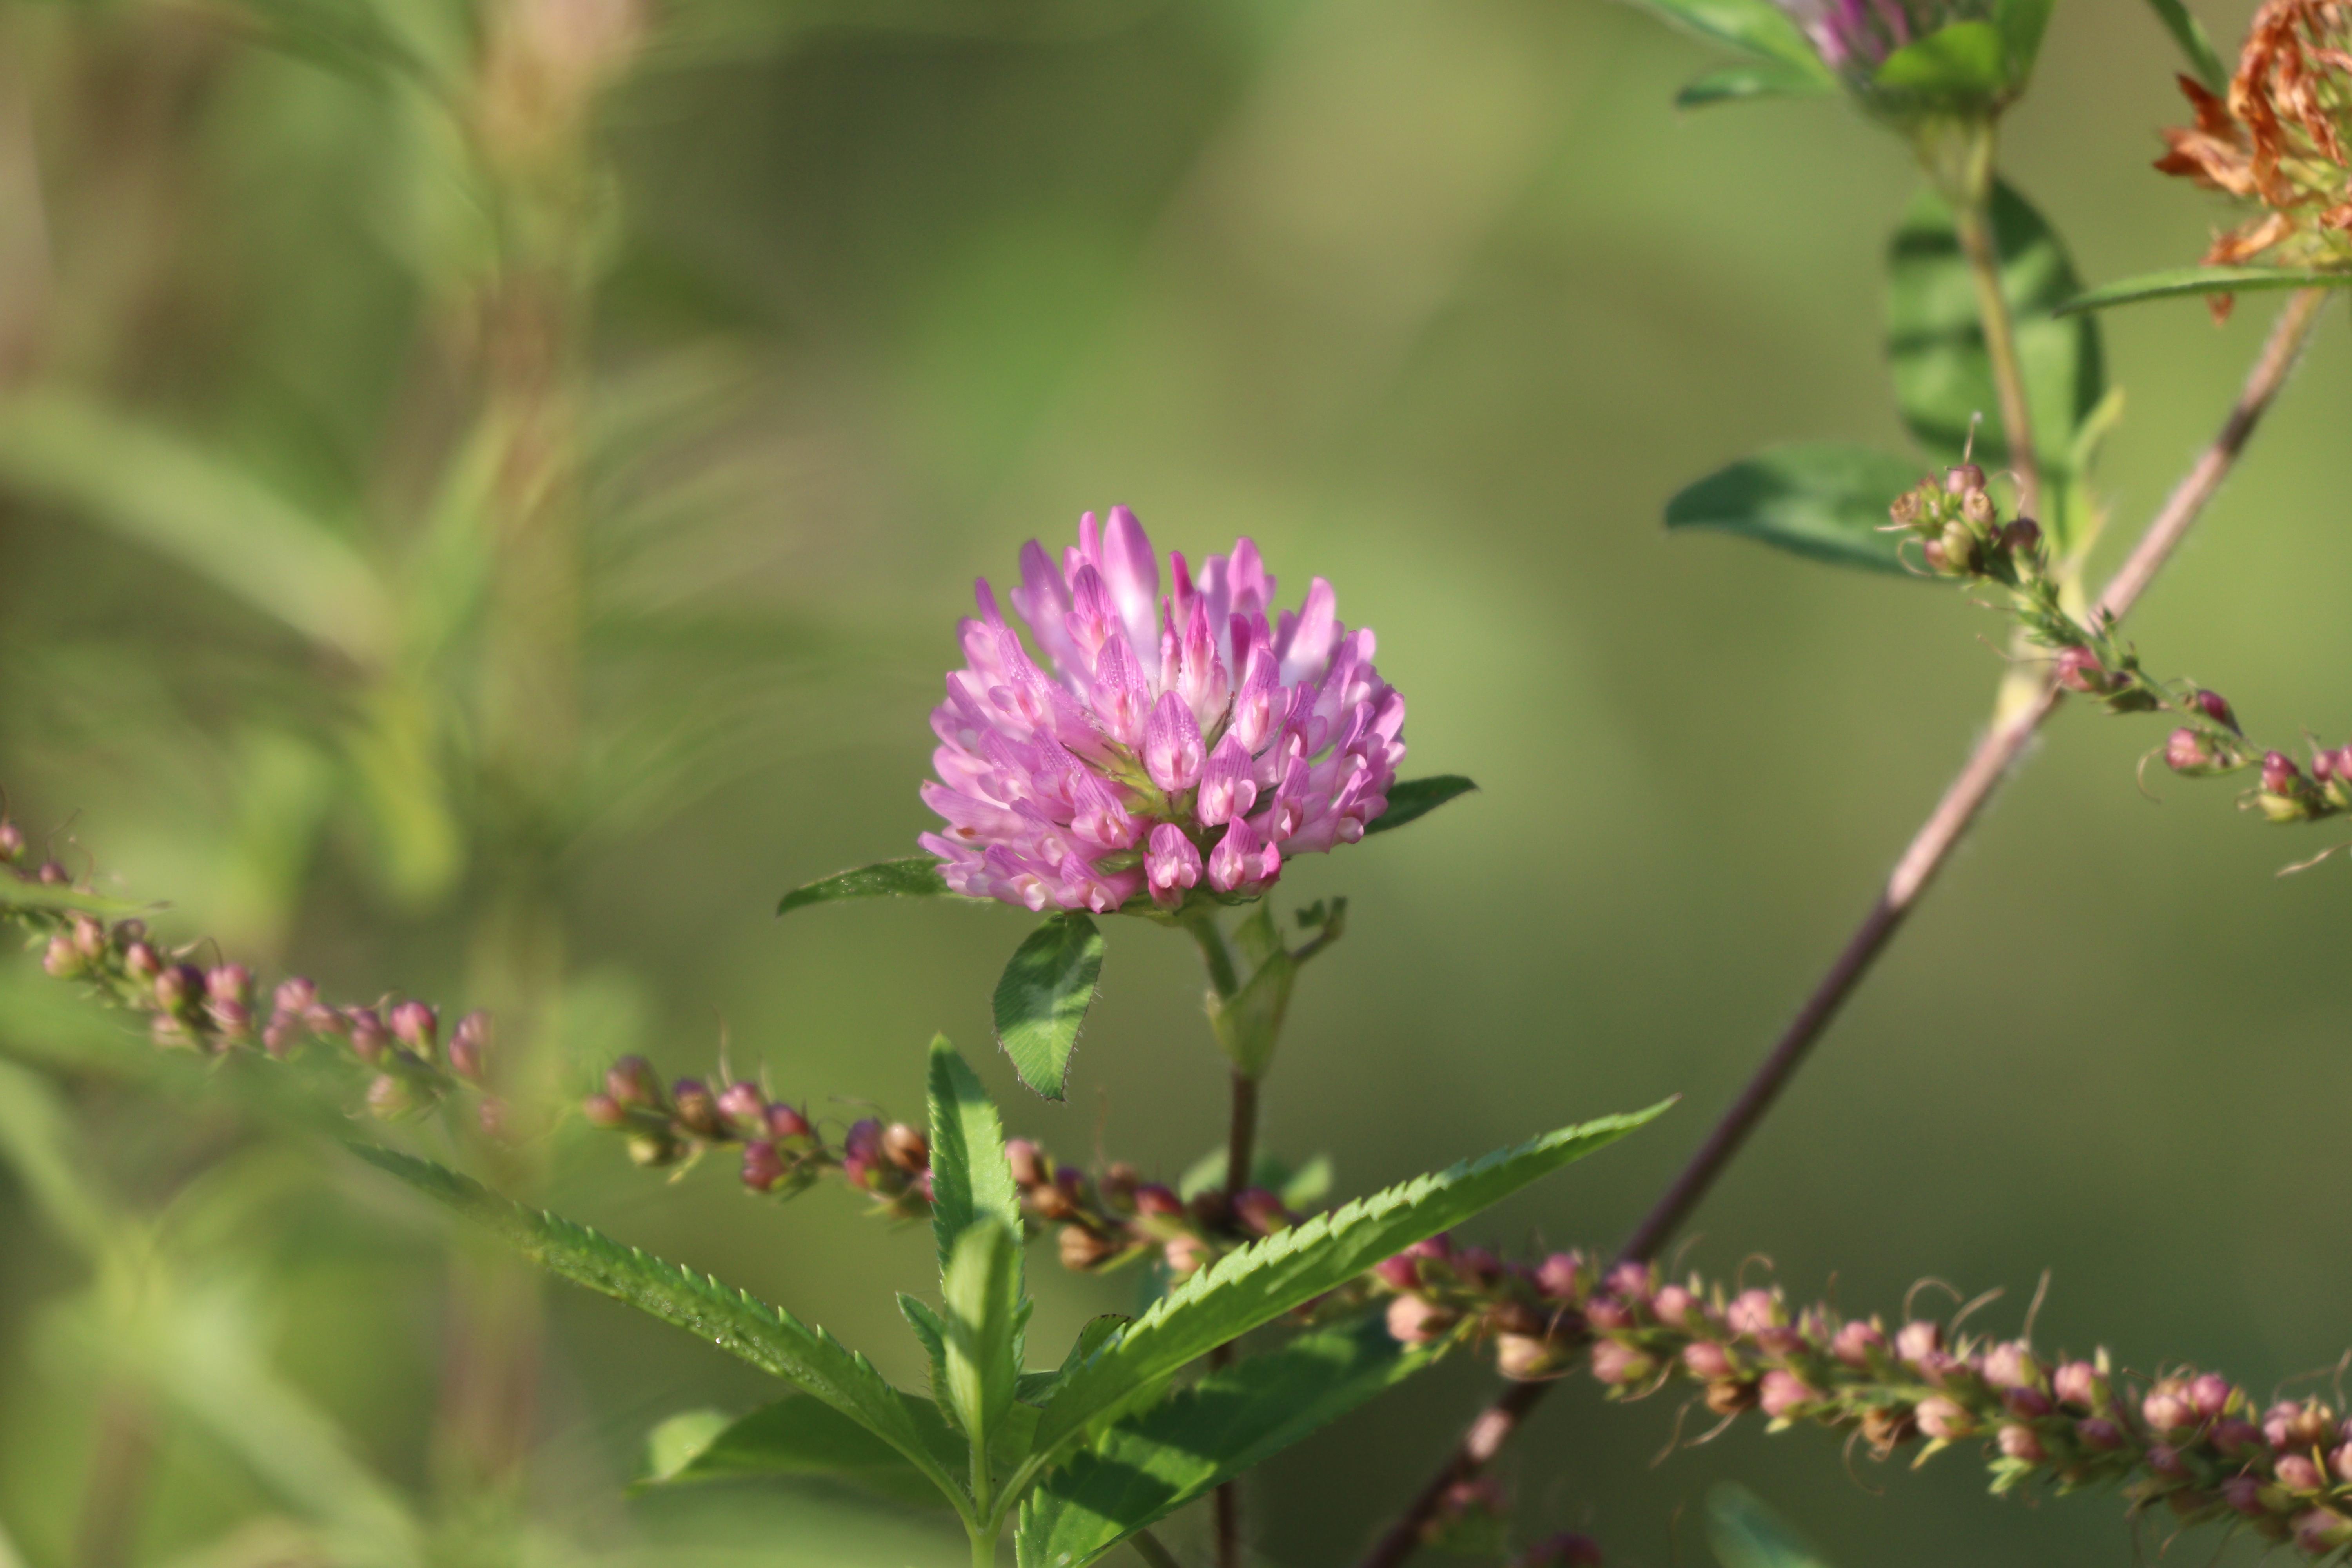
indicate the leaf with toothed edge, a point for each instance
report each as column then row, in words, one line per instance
column 1262, row 1281
column 1043, row 996
column 767, row 1337
column 1413, row 799
column 916, row 876
column 798, row 1435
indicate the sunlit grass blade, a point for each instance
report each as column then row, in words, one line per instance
column 916, row 876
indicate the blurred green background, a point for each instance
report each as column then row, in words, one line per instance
column 466, row 535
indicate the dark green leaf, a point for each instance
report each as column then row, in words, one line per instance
column 1935, row 345
column 797, row 1436
column 1745, row 1533
column 1261, row 1282
column 1154, row 1462
column 1410, row 800
column 971, row 1181
column 2021, row 24
column 916, row 876
column 1042, row 998
column 1825, row 501
column 2190, row 33
column 1754, row 26
column 2180, row 280
column 1963, row 63
column 1761, row 79
column 769, row 1339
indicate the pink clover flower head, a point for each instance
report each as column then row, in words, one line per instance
column 1149, row 745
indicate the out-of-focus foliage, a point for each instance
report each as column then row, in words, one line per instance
column 1445, row 298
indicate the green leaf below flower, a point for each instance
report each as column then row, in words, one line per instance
column 916, row 876
column 1410, row 800
column 1042, row 998
column 1825, row 501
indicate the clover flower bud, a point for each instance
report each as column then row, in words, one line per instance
column 2098, row 1433
column 1120, row 1182
column 2280, row 775
column 1184, row 1255
column 389, row 1096
column 1753, row 1310
column 89, row 937
column 1028, row 1163
column 743, row 1105
column 1856, row 1343
column 2321, row 1530
column 62, row 960
column 2216, row 707
column 697, row 1108
column 1633, row 1283
column 1240, row 863
column 2244, row 1495
column 12, row 840
column 178, row 988
column 2209, row 1394
column 861, row 1153
column 233, row 1019
column 1083, row 1249
column 2340, row 1462
column 1608, row 1315
column 280, row 1036
column 786, row 1122
column 415, row 1025
column 1477, row 1266
column 1888, row 1429
column 1415, row 1322
column 2022, row 537
column 1955, row 550
column 1619, row 1365
column 1977, row 508
column 1962, row 478
column 1731, row 1395
column 1171, row 866
column 1154, row 1201
column 2011, row 1364
column 2165, row 1460
column 2299, row 1473
column 2289, row 1425
column 1784, row 1393
column 2017, row 1442
column 141, row 962
column 1260, row 1211
column 2079, row 669
column 1563, row 1276
column 2166, row 1407
column 1568, row 1548
column 1529, row 1358
column 763, row 1168
column 296, row 997
column 906, row 1148
column 1675, row 1306
column 2027, row 1404
column 1706, row 1360
column 469, row 1047
column 603, row 1111
column 631, row 1081
column 2233, row 1436
column 1946, row 1420
column 2185, row 751
column 1917, row 1340
column 53, row 875
column 2078, row 1383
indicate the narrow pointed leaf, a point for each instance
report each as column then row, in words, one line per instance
column 1261, row 1282
column 1042, row 998
column 1754, row 26
column 2190, row 33
column 1410, row 800
column 797, row 1436
column 1824, row 500
column 982, row 1290
column 1156, row 1461
column 1746, row 1533
column 1935, row 345
column 2021, row 24
column 1039, row 1387
column 916, row 876
column 2174, row 282
column 1755, row 79
column 971, row 1180
column 769, row 1338
column 932, row 1331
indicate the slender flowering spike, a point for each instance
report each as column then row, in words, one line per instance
column 2079, row 669
column 2185, row 751
column 1129, row 720
column 469, row 1047
column 743, row 1105
column 2216, row 707
column 2078, row 1384
column 2280, row 775
column 784, row 1122
column 1856, row 1342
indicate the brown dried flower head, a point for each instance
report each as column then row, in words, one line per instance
column 2279, row 140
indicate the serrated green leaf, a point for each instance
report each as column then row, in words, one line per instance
column 1759, row 79
column 1042, row 998
column 1959, row 64
column 1154, row 1462
column 1745, row 1533
column 916, row 876
column 2176, row 282
column 932, row 1331
column 2190, row 33
column 1262, row 1281
column 971, row 1179
column 1934, row 343
column 1824, row 500
column 767, row 1337
column 981, row 1286
column 1754, row 26
column 796, row 1436
column 1037, row 1387
column 1410, row 800
column 187, row 501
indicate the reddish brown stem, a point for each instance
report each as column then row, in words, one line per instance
column 1928, row 849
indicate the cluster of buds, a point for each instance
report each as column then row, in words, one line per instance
column 2190, row 1441
column 1960, row 530
column 1100, row 1222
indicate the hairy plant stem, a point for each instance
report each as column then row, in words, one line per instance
column 121, row 1464
column 1241, row 1150
column 1972, row 221
column 983, row 1546
column 1929, row 848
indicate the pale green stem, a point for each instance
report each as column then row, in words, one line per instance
column 1974, row 226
